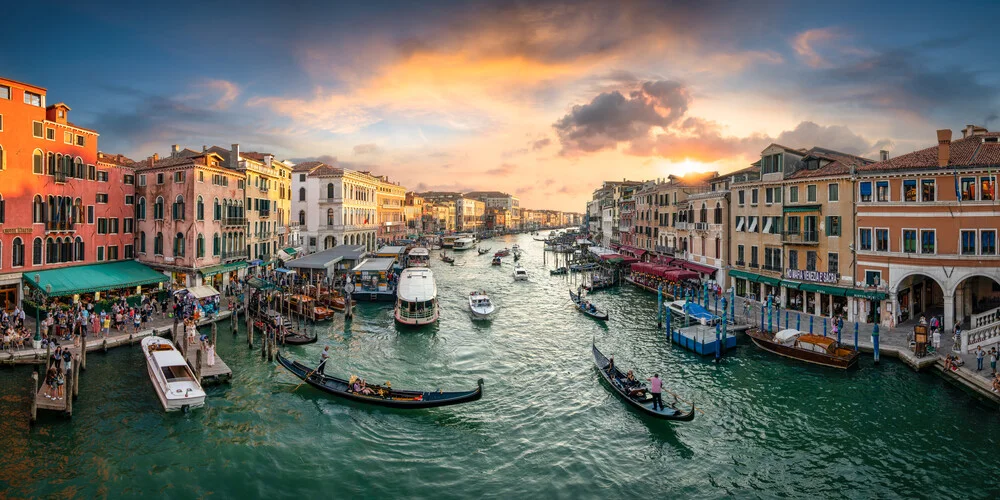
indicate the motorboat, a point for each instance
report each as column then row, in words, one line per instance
column 816, row 349
column 502, row 253
column 680, row 308
column 480, row 305
column 520, row 274
column 174, row 382
column 583, row 267
column 496, row 261
column 559, row 271
column 464, row 243
column 418, row 257
column 306, row 305
column 416, row 297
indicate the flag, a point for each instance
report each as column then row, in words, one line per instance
column 958, row 192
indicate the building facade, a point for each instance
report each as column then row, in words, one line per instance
column 347, row 206
column 391, row 198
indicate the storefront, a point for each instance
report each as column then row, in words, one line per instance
column 96, row 283
column 221, row 275
column 10, row 291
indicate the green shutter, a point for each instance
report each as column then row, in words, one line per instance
column 828, row 225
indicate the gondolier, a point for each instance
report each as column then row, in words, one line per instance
column 323, row 357
column 655, row 388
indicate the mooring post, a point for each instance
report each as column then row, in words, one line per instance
column 68, row 395
column 215, row 331
column 75, row 366
column 718, row 342
column 83, row 354
column 34, row 397
column 197, row 365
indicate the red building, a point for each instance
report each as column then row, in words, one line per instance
column 66, row 205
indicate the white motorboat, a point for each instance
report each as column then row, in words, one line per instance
column 416, row 297
column 481, row 305
column 418, row 257
column 464, row 243
column 175, row 383
column 520, row 274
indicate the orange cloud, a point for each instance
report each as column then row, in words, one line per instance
column 805, row 43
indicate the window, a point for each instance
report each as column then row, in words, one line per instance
column 80, row 249
column 741, row 195
column 986, row 188
column 739, row 223
column 909, row 241
column 988, row 242
column 810, row 260
column 927, row 241
column 177, row 210
column 201, row 209
column 753, row 196
column 865, row 239
column 82, row 141
column 37, row 129
column 833, row 192
column 4, row 92
column 302, row 217
column 882, row 240
column 833, row 263
column 142, row 242
column 811, row 193
column 179, row 177
column 201, row 246
column 302, row 194
column 113, row 252
column 159, row 178
column 833, row 225
column 768, row 196
column 90, row 214
column 128, row 225
column 753, row 256
column 36, row 252
column 158, row 208
column 142, row 179
column 102, row 225
column 201, row 177
column 793, row 224
column 68, row 137
column 809, row 228
column 740, row 255
column 102, row 176
column 158, row 244
column 140, row 209
column 92, row 173
column 865, row 191
column 969, row 242
column 909, row 190
column 33, row 99
column 752, row 226
column 873, row 278
column 100, row 254
column 793, row 194
column 777, row 194
column 130, row 199
column 129, row 252
column 215, row 245
column 968, row 188
column 128, row 179
column 793, row 259
column 50, row 134
column 113, row 225
column 302, row 177
column 882, row 191
column 102, row 197
column 37, row 162
column 17, row 253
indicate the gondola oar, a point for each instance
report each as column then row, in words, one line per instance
column 310, row 374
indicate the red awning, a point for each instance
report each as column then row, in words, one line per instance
column 635, row 252
column 680, row 275
column 694, row 266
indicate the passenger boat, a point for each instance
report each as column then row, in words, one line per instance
column 293, row 337
column 484, row 251
column 172, row 378
column 520, row 274
column 306, row 305
column 418, row 257
column 464, row 243
column 502, row 253
column 416, row 297
column 448, row 241
column 480, row 305
column 815, row 349
column 637, row 394
column 559, row 270
column 496, row 261
column 596, row 313
column 381, row 395
column 445, row 258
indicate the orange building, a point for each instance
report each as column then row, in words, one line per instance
column 66, row 206
column 926, row 234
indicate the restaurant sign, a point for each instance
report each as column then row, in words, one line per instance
column 17, row 230
column 814, row 276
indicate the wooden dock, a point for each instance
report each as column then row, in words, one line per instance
column 71, row 389
column 215, row 374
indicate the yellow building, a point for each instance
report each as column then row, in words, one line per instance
column 391, row 199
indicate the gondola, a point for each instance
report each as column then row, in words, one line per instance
column 637, row 394
column 299, row 338
column 445, row 258
column 383, row 396
column 483, row 251
column 558, row 271
column 596, row 313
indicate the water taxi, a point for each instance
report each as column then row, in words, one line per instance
column 416, row 297
column 175, row 384
column 520, row 273
column 418, row 257
column 480, row 305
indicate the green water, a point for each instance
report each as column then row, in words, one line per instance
column 546, row 427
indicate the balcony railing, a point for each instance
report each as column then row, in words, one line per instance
column 60, row 225
column 681, row 225
column 665, row 249
column 701, row 226
column 59, row 176
column 335, row 199
column 234, row 221
column 804, row 237
column 754, row 265
column 768, row 267
column 280, row 230
column 741, row 263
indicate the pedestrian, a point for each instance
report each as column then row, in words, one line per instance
column 655, row 386
column 993, row 360
column 980, row 354
column 323, row 357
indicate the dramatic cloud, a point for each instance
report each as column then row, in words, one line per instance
column 502, row 170
column 541, row 144
column 805, row 45
column 328, row 159
column 367, row 149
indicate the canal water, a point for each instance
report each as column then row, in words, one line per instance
column 546, row 428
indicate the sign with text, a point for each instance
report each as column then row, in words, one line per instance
column 814, row 276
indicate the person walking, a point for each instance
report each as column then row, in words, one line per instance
column 980, row 354
column 993, row 360
column 323, row 357
column 655, row 388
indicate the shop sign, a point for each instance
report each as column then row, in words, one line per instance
column 17, row 230
column 814, row 276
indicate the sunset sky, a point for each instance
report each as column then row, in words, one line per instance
column 540, row 99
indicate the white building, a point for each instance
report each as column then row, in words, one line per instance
column 334, row 205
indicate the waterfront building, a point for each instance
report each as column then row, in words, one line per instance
column 469, row 214
column 926, row 235
column 268, row 202
column 506, row 205
column 413, row 213
column 335, row 205
column 191, row 218
column 61, row 202
column 391, row 201
column 709, row 232
column 605, row 209
column 626, row 216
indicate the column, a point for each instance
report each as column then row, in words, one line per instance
column 829, row 304
column 949, row 314
column 959, row 305
column 784, row 298
column 851, row 304
column 817, row 307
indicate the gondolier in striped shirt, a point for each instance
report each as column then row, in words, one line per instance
column 655, row 387
column 323, row 357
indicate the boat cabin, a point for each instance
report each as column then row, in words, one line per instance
column 418, row 257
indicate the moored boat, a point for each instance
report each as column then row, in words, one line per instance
column 637, row 393
column 480, row 305
column 306, row 305
column 588, row 309
column 416, row 297
column 464, row 243
column 380, row 395
column 174, row 382
column 810, row 348
column 559, row 270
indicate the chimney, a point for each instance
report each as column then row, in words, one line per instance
column 234, row 156
column 204, row 148
column 944, row 147
column 174, row 149
column 156, row 157
column 883, row 155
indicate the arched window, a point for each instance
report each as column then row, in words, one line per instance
column 158, row 244
column 201, row 208
column 3, row 210
column 178, row 208
column 302, row 194
column 201, row 246
column 704, row 214
column 38, row 162
column 51, row 167
column 215, row 245
column 50, row 251
column 158, row 208
column 66, row 252
column 79, row 171
column 142, row 242
column 17, row 253
column 329, row 217
column 140, row 209
column 36, row 252
column 179, row 245
column 37, row 210
column 718, row 213
column 78, row 211
column 328, row 242
column 329, row 190
column 302, row 217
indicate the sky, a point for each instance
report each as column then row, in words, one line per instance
column 540, row 99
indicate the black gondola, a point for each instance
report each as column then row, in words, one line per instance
column 300, row 339
column 637, row 394
column 596, row 313
column 382, row 396
column 559, row 271
column 484, row 251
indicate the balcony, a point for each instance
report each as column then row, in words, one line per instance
column 701, row 226
column 754, row 265
column 768, row 267
column 681, row 226
column 335, row 199
column 741, row 263
column 280, row 230
column 60, row 225
column 663, row 249
column 234, row 221
column 59, row 176
column 264, row 214
column 801, row 238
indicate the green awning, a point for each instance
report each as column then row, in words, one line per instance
column 791, row 285
column 290, row 251
column 222, row 268
column 260, row 284
column 829, row 290
column 802, row 208
column 767, row 280
column 93, row 278
column 866, row 294
column 736, row 273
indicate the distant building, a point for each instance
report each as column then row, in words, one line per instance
column 335, row 205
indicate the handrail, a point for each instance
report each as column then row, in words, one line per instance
column 986, row 318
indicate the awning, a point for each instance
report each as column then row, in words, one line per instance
column 802, row 208
column 736, row 273
column 256, row 262
column 222, row 268
column 260, row 284
column 866, row 294
column 200, row 292
column 694, row 266
column 290, row 251
column 767, row 280
column 829, row 290
column 791, row 285
column 93, row 278
column 283, row 270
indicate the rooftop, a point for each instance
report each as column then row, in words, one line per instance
column 981, row 149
